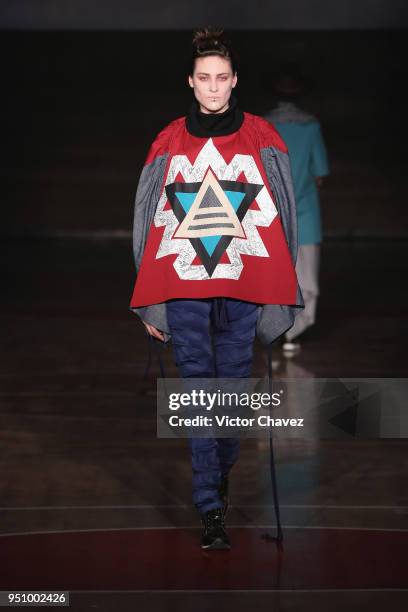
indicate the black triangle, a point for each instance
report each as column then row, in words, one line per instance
column 251, row 190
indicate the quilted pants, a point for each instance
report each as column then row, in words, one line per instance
column 211, row 338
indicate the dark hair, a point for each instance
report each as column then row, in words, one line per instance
column 289, row 82
column 210, row 41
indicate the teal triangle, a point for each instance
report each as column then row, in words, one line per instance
column 210, row 242
column 186, row 200
column 235, row 197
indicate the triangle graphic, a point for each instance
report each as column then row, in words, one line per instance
column 230, row 198
column 211, row 213
column 235, row 197
column 186, row 200
column 210, row 242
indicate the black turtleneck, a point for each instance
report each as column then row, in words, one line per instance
column 206, row 125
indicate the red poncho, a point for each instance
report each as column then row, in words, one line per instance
column 208, row 223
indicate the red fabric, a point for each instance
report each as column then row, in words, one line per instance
column 264, row 280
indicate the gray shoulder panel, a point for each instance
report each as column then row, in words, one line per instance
column 277, row 167
column 275, row 319
column 147, row 196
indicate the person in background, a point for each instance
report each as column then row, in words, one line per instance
column 302, row 135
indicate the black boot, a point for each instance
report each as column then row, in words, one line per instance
column 223, row 493
column 214, row 533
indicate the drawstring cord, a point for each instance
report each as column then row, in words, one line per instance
column 221, row 322
column 149, row 355
column 220, row 313
column 279, row 537
column 157, row 344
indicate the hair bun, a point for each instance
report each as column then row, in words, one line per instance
column 211, row 41
column 207, row 37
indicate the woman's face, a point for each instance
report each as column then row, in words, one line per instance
column 212, row 82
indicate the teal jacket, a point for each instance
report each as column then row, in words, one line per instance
column 308, row 159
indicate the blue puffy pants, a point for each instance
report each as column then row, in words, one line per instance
column 203, row 350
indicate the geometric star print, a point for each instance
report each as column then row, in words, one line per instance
column 210, row 214
column 172, row 209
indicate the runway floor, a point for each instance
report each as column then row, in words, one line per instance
column 92, row 502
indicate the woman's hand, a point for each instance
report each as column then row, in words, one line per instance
column 153, row 331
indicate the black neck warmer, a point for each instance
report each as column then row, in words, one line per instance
column 206, row 125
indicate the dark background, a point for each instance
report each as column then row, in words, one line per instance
column 87, row 87
column 187, row 14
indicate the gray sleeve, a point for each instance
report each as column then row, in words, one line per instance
column 277, row 167
column 275, row 319
column 156, row 315
column 147, row 196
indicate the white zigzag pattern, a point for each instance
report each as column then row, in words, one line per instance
column 252, row 245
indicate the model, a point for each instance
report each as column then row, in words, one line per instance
column 215, row 244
